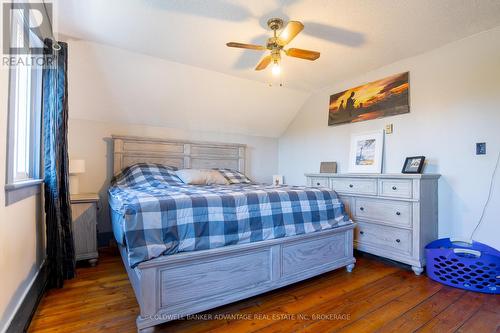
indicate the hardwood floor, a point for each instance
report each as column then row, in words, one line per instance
column 374, row 297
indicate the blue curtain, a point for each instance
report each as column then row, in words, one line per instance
column 60, row 246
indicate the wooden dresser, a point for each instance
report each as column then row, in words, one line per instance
column 396, row 214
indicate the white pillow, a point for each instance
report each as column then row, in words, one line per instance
column 201, row 177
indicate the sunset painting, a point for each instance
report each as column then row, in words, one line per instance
column 382, row 98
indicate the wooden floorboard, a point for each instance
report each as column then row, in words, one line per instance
column 375, row 297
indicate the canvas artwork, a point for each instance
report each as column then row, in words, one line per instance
column 382, row 98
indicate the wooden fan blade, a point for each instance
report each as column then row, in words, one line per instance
column 263, row 63
column 302, row 54
column 246, row 46
column 291, row 30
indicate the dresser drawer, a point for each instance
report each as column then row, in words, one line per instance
column 382, row 237
column 386, row 211
column 319, row 181
column 355, row 186
column 400, row 188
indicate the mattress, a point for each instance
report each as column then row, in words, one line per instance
column 117, row 220
column 154, row 218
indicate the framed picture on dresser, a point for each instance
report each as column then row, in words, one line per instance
column 366, row 152
column 413, row 164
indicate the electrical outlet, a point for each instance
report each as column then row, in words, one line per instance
column 481, row 148
column 389, row 128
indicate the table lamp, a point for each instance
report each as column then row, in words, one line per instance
column 76, row 167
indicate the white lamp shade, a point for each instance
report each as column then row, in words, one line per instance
column 76, row 166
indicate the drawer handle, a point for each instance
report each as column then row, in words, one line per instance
column 318, row 184
column 394, row 188
column 361, row 232
column 398, row 240
column 351, row 186
column 398, row 213
column 361, row 208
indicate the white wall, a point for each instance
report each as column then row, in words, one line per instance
column 455, row 102
column 90, row 140
column 21, row 232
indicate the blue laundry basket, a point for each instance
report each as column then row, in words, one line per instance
column 474, row 267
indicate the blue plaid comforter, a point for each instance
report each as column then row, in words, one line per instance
column 165, row 216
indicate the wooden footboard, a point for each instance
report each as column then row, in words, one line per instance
column 171, row 287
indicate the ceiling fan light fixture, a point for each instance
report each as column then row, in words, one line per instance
column 275, row 45
column 276, row 69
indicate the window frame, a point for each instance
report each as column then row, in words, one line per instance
column 18, row 189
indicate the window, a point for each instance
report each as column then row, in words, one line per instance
column 25, row 91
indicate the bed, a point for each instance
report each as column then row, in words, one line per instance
column 190, row 248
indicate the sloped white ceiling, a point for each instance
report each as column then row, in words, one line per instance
column 109, row 84
column 353, row 36
column 164, row 62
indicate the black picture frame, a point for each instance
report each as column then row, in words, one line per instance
column 408, row 168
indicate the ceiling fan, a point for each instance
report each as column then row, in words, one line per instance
column 277, row 43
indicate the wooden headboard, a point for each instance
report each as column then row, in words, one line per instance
column 179, row 153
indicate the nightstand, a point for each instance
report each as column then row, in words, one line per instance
column 84, row 210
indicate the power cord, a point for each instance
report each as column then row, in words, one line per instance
column 492, row 182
